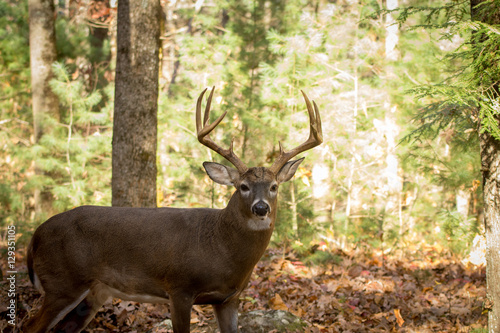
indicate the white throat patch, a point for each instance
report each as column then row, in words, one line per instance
column 258, row 224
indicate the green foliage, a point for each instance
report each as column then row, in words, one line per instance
column 79, row 154
column 359, row 186
column 479, row 330
column 73, row 159
column 453, row 107
column 15, row 112
column 295, row 214
column 321, row 258
column 445, row 14
column 457, row 231
column 71, row 40
column 261, row 58
column 467, row 99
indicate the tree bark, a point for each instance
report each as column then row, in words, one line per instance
column 136, row 104
column 45, row 103
column 490, row 166
column 42, row 55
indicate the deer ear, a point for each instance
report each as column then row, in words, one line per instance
column 288, row 170
column 221, row 174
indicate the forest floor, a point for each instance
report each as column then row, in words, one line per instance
column 360, row 291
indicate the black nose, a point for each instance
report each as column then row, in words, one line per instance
column 260, row 208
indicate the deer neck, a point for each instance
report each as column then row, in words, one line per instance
column 239, row 230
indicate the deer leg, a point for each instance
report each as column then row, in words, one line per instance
column 53, row 309
column 79, row 317
column 227, row 316
column 181, row 312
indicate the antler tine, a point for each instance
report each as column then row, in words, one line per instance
column 207, row 107
column 315, row 137
column 203, row 131
column 198, row 112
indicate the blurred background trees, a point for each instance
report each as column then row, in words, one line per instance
column 363, row 186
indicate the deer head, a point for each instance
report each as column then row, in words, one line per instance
column 257, row 187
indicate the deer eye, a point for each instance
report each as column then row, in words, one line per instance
column 274, row 188
column 244, row 188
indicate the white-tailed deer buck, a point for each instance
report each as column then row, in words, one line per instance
column 82, row 257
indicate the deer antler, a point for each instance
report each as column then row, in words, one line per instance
column 203, row 131
column 315, row 137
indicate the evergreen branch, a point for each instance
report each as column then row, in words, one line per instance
column 27, row 143
column 472, row 86
column 490, row 118
column 26, row 91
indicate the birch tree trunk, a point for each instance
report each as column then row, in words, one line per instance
column 390, row 127
column 490, row 166
column 392, row 32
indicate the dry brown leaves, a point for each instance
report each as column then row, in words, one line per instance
column 428, row 292
column 374, row 293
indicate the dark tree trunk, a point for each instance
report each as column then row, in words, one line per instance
column 101, row 13
column 97, row 38
column 490, row 166
column 136, row 104
column 45, row 103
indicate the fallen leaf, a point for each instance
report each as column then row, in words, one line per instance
column 355, row 271
column 399, row 319
column 276, row 303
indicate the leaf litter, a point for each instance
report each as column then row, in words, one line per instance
column 360, row 291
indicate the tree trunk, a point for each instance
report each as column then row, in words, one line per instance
column 45, row 103
column 490, row 166
column 392, row 32
column 136, row 104
column 390, row 128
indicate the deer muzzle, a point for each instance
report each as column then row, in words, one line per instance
column 261, row 209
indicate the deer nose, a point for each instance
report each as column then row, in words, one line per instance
column 261, row 208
